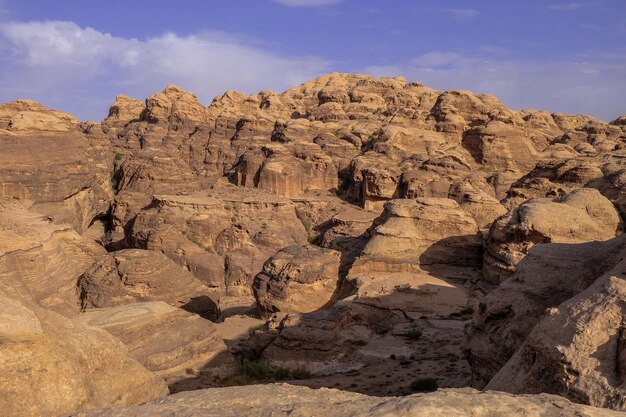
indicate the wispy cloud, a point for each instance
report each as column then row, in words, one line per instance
column 592, row 84
column 462, row 14
column 78, row 69
column 306, row 3
column 565, row 6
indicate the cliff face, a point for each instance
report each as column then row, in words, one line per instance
column 385, row 231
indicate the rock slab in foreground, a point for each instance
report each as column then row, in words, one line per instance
column 285, row 400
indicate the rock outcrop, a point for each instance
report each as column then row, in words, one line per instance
column 52, row 365
column 285, row 400
column 577, row 349
column 583, row 215
column 42, row 260
column 418, row 257
column 134, row 275
column 167, row 340
column 46, row 157
column 549, row 275
column 297, row 279
column 223, row 238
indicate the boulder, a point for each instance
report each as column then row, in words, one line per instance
column 583, row 215
column 169, row 341
column 297, row 279
column 52, row 365
column 134, row 275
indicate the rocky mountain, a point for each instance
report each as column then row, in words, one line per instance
column 365, row 234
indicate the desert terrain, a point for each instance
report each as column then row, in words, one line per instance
column 352, row 246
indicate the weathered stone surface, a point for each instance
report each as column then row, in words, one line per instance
column 549, row 275
column 135, row 275
column 42, row 260
column 418, row 257
column 297, row 279
column 581, row 216
column 51, row 365
column 167, row 340
column 48, row 158
column 285, row 400
column 223, row 238
column 577, row 349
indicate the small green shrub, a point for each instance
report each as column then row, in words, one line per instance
column 118, row 156
column 256, row 369
column 282, row 374
column 413, row 334
column 300, row 373
column 424, row 385
column 236, row 380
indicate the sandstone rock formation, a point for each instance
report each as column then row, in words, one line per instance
column 549, row 275
column 372, row 218
column 168, row 341
column 297, row 279
column 62, row 166
column 135, row 275
column 583, row 215
column 42, row 260
column 52, row 365
column 285, row 400
column 418, row 257
column 223, row 238
column 577, row 349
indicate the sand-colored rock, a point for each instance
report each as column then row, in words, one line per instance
column 297, row 279
column 223, row 237
column 42, row 260
column 286, row 400
column 134, row 275
column 583, row 215
column 51, row 365
column 28, row 115
column 419, row 255
column 48, row 158
column 168, row 341
column 549, row 275
column 577, row 349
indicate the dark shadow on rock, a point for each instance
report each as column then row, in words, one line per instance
column 203, row 306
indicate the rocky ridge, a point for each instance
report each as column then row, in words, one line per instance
column 386, row 232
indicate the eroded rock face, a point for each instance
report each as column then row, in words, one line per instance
column 62, row 166
column 577, row 349
column 52, row 365
column 223, row 238
column 297, row 279
column 549, row 275
column 418, row 257
column 168, row 341
column 581, row 216
column 135, row 275
column 42, row 260
column 286, row 400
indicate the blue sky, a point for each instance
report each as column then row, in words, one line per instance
column 76, row 55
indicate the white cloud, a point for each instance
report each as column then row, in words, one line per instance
column 463, row 14
column 306, row 3
column 593, row 84
column 565, row 6
column 60, row 62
